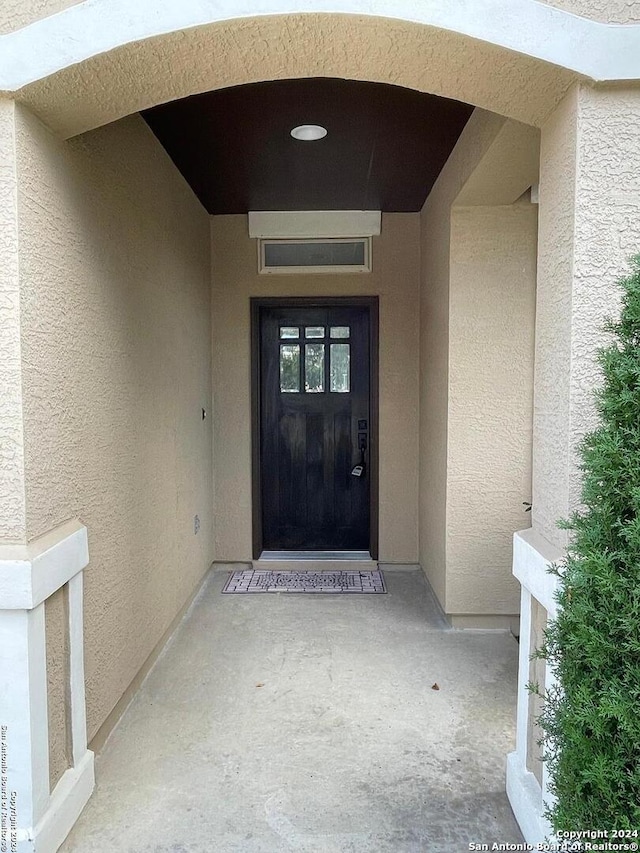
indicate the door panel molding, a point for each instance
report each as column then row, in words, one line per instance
column 257, row 305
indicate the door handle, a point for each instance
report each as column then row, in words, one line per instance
column 359, row 469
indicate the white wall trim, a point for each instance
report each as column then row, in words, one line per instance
column 67, row 801
column 29, row 574
column 596, row 50
column 23, row 716
column 313, row 224
column 532, row 555
column 525, row 797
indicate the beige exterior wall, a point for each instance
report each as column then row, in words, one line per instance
column 395, row 279
column 435, row 240
column 589, row 190
column 470, row 493
column 12, row 500
column 115, row 312
column 57, row 639
column 553, row 322
column 490, row 399
column 537, row 676
column 606, row 11
column 434, row 367
column 15, row 14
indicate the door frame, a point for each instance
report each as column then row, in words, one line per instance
column 257, row 304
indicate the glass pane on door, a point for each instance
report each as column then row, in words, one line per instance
column 290, row 368
column 340, row 331
column 314, row 332
column 289, row 332
column 340, row 358
column 314, row 368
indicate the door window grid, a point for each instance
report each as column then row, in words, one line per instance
column 335, row 332
column 316, row 371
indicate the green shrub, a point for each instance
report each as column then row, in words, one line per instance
column 591, row 722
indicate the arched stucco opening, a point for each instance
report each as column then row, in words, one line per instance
column 106, row 71
column 104, row 85
column 95, row 62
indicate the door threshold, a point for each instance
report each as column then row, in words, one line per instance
column 315, row 555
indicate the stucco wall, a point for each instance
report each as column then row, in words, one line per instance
column 115, row 309
column 553, row 322
column 607, row 11
column 476, row 140
column 16, row 13
column 141, row 74
column 395, row 279
column 589, row 190
column 537, row 676
column 490, row 422
column 434, row 367
column 12, row 503
column 607, row 234
column 56, row 612
column 465, row 549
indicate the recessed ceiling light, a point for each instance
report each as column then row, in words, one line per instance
column 309, row 132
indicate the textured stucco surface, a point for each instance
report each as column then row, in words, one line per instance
column 537, row 675
column 12, row 499
column 589, row 190
column 607, row 233
column 58, row 708
column 115, row 293
column 553, row 320
column 395, row 279
column 607, row 11
column 16, row 13
column 509, row 167
column 491, row 348
column 480, row 133
column 145, row 73
column 434, row 348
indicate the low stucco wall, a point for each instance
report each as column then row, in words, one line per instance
column 395, row 279
column 115, row 315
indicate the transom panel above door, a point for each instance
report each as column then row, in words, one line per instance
column 315, row 430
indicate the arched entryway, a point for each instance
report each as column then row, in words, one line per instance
column 93, row 64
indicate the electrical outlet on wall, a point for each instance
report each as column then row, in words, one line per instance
column 196, row 524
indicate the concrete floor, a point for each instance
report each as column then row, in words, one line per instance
column 308, row 723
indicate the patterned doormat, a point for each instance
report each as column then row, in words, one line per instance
column 259, row 580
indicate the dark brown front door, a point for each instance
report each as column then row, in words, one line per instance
column 315, row 427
